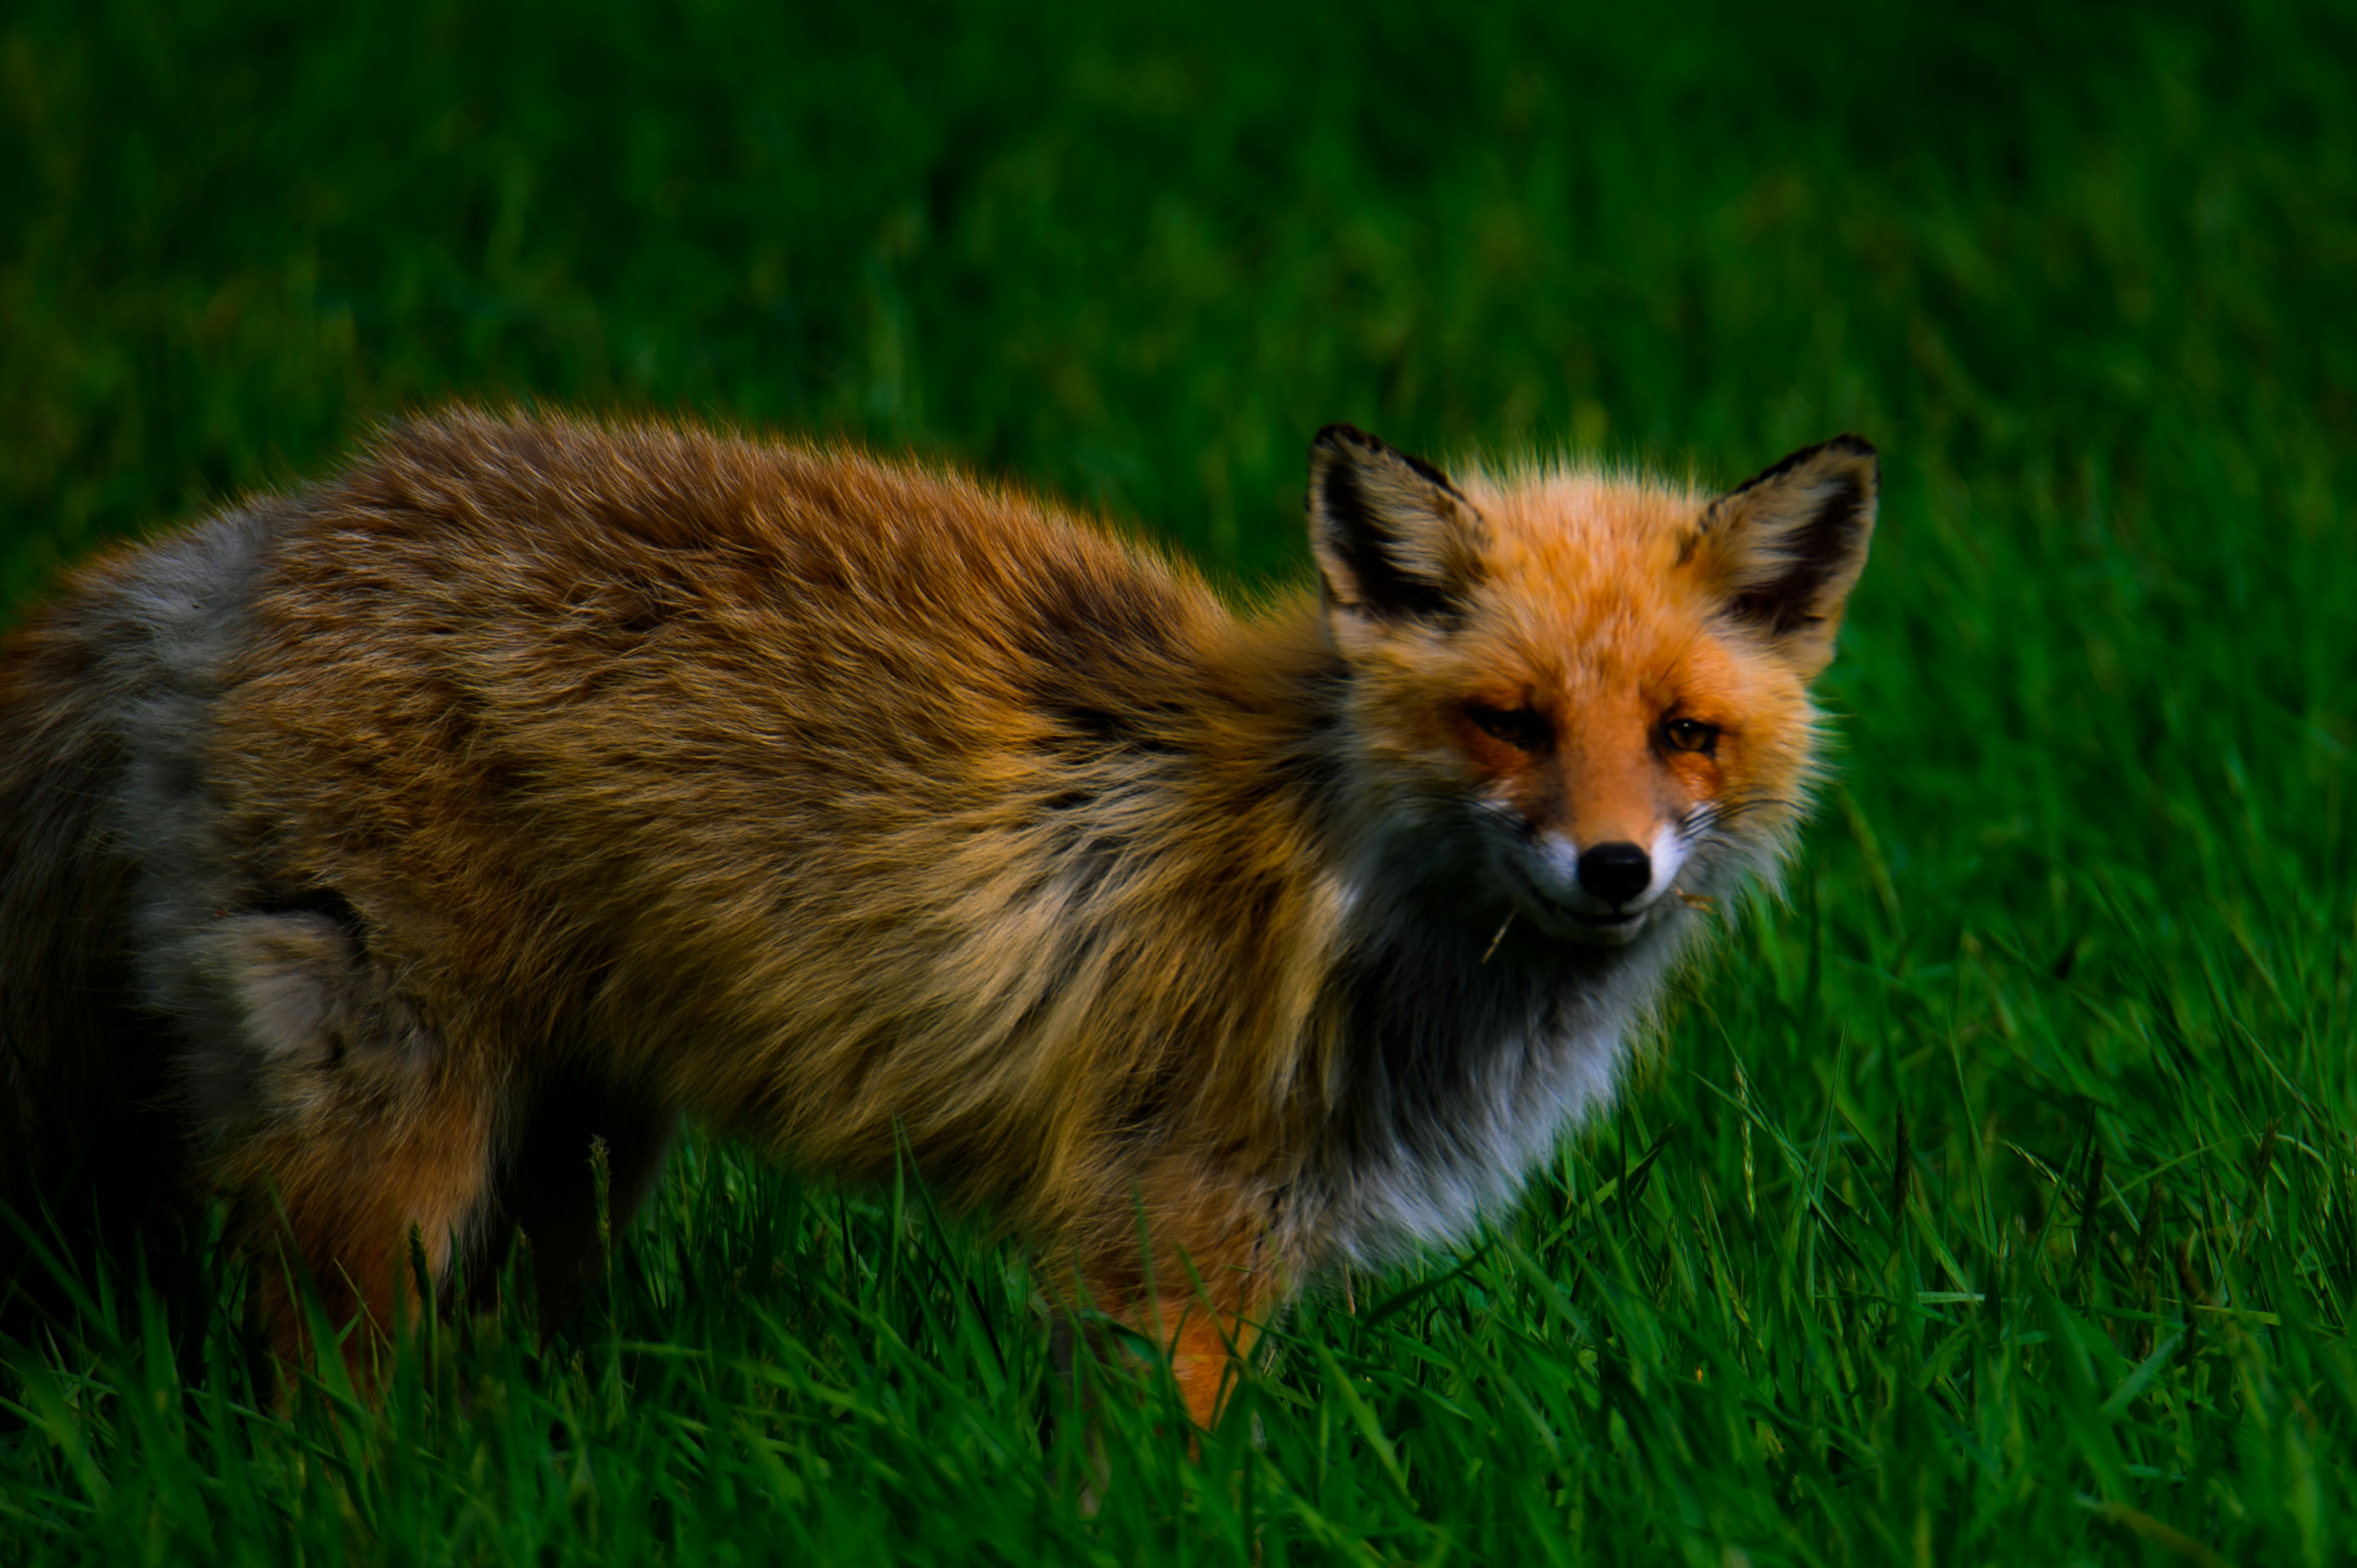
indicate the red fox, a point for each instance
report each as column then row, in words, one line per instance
column 366, row 852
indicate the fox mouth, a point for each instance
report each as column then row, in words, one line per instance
column 1600, row 930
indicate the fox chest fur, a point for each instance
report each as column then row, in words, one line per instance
column 374, row 848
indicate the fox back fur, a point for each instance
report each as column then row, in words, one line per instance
column 366, row 852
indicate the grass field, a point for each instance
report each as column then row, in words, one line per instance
column 1991, row 1199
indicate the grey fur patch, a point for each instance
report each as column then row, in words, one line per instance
column 183, row 616
column 270, row 1004
column 180, row 622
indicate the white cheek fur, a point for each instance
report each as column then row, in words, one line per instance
column 1669, row 855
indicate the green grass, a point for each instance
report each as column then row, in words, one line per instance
column 1994, row 1199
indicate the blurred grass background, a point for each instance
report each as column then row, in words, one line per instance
column 1994, row 1200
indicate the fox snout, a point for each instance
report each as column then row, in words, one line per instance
column 1602, row 893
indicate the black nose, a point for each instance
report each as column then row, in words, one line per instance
column 1615, row 873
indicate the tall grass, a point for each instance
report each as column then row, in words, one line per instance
column 1989, row 1198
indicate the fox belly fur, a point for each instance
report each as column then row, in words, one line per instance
column 366, row 852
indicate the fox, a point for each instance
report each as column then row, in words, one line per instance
column 370, row 851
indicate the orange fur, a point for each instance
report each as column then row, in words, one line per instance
column 535, row 780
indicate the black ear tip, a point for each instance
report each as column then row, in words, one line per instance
column 1336, row 436
column 1348, row 444
column 1851, row 447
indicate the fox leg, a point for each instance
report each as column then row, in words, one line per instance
column 353, row 1203
column 547, row 1185
column 352, row 1139
column 1202, row 1306
column 1208, row 1336
column 1207, row 1343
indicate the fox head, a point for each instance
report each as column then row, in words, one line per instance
column 1586, row 697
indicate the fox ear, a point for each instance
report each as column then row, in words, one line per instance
column 1393, row 538
column 1784, row 547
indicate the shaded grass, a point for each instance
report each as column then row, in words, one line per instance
column 1990, row 1199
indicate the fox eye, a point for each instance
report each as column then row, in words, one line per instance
column 1690, row 735
column 1521, row 728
